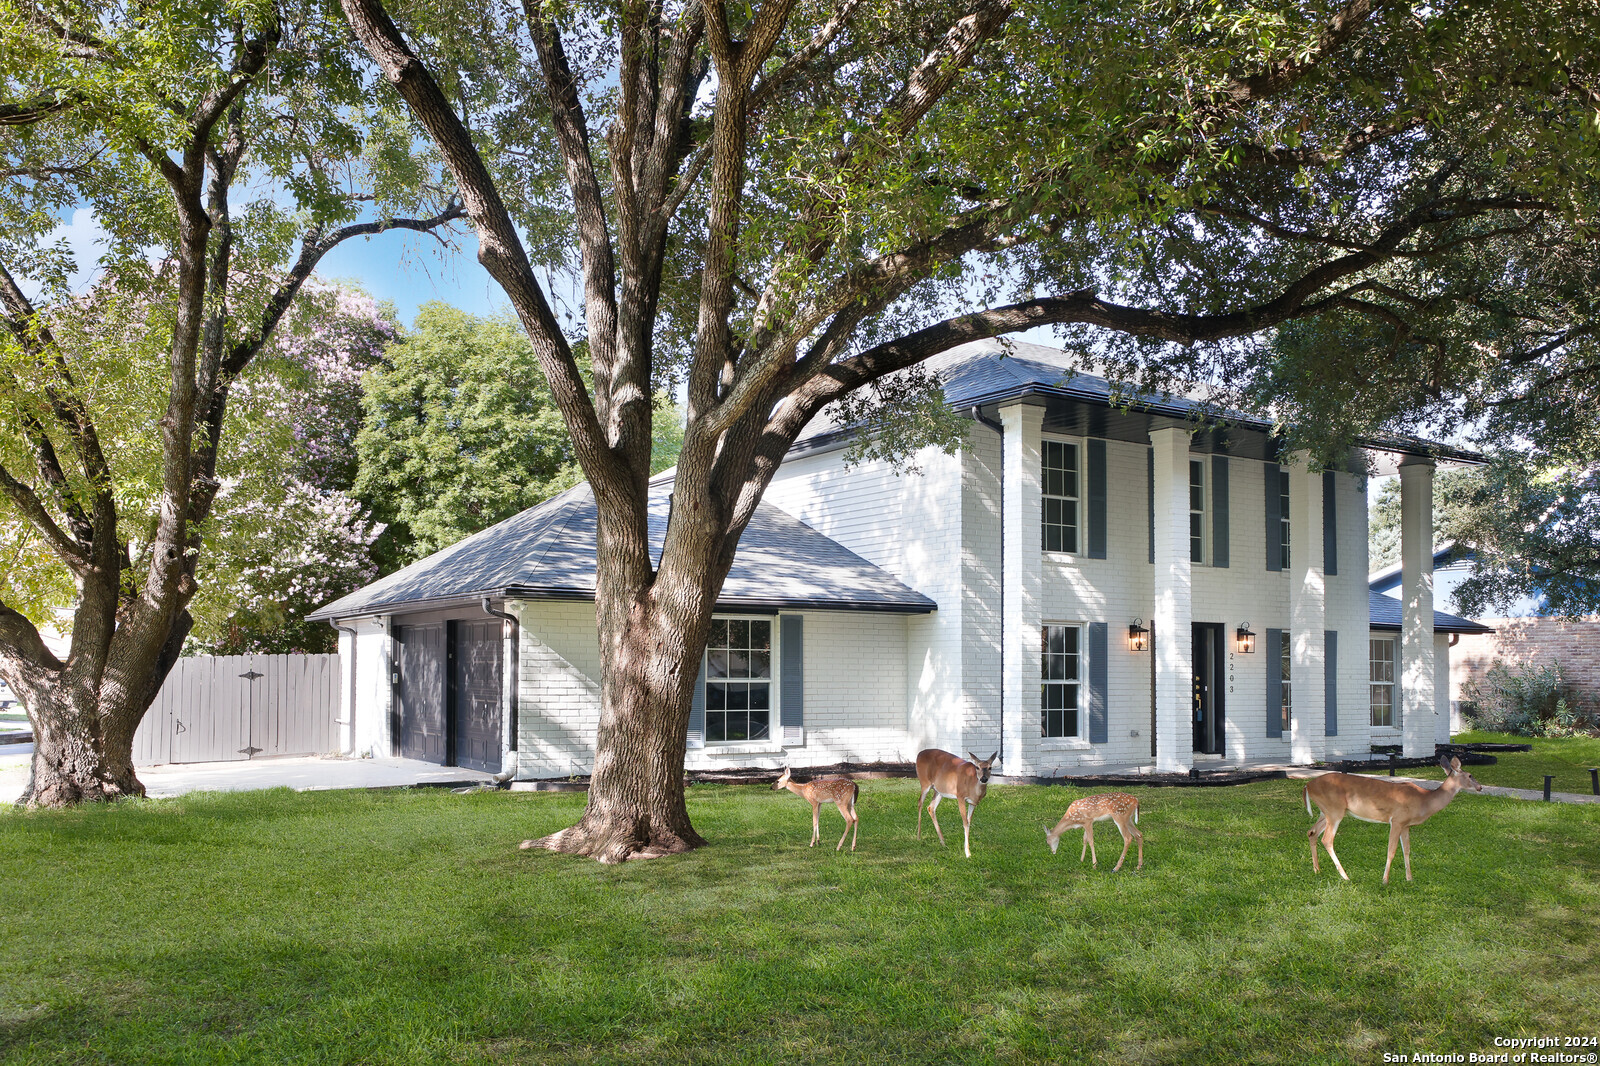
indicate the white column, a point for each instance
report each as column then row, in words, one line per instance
column 1416, row 608
column 1308, row 614
column 1172, row 613
column 1024, row 558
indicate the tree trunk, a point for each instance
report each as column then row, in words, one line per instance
column 636, row 807
column 83, row 735
column 72, row 762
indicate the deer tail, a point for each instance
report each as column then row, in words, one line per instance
column 1306, row 795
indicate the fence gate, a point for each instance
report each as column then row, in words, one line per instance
column 216, row 708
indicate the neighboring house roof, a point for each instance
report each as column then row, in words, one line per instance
column 1385, row 614
column 987, row 373
column 1388, row 579
column 548, row 552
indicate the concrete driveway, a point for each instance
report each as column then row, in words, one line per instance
column 304, row 773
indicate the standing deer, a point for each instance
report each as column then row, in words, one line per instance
column 949, row 776
column 1120, row 807
column 1375, row 799
column 841, row 793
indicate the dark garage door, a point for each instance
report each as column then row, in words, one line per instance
column 477, row 695
column 421, row 695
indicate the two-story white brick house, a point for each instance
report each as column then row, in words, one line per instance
column 1081, row 585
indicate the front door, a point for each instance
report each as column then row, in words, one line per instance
column 1208, row 701
column 476, row 730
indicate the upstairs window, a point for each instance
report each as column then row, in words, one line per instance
column 1197, row 511
column 739, row 680
column 1061, row 671
column 1283, row 521
column 1061, row 496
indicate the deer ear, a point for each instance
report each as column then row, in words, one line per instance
column 973, row 757
column 1455, row 765
column 993, row 757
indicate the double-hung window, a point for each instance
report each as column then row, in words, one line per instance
column 1382, row 681
column 1197, row 511
column 1284, row 710
column 1283, row 522
column 739, row 679
column 1060, row 497
column 1061, row 672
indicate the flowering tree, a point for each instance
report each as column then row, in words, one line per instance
column 286, row 534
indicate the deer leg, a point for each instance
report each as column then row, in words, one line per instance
column 1088, row 838
column 1394, row 838
column 1126, row 840
column 919, row 812
column 1084, row 848
column 845, row 814
column 855, row 825
column 1327, row 842
column 816, row 824
column 1140, row 838
column 966, row 825
column 1311, row 835
column 933, row 815
column 1405, row 846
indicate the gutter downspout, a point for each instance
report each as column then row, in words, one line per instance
column 510, row 673
column 977, row 416
column 348, row 741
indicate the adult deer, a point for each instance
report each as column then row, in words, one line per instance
column 1376, row 799
column 950, row 776
column 842, row 794
column 1120, row 807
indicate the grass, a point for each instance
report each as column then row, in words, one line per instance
column 1567, row 760
column 405, row 927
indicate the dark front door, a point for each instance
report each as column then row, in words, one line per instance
column 1208, row 674
column 420, row 730
column 477, row 695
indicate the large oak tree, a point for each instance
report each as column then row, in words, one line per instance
column 784, row 203
column 226, row 147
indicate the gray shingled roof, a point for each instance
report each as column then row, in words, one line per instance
column 988, row 372
column 547, row 552
column 1385, row 612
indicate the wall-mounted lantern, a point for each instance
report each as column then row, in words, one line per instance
column 1245, row 640
column 1138, row 636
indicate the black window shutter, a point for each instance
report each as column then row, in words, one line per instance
column 1097, row 498
column 1274, row 681
column 1330, row 524
column 1274, row 518
column 1330, row 683
column 792, row 698
column 1150, row 497
column 1219, row 510
column 1098, row 643
column 697, row 709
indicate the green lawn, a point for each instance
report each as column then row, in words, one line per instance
column 1567, row 760
column 405, row 927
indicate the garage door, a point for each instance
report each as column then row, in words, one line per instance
column 477, row 695
column 421, row 695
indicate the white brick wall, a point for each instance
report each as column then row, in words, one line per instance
column 855, row 693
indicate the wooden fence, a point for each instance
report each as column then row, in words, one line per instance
column 216, row 708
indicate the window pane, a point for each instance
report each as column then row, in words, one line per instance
column 759, row 725
column 716, row 697
column 717, row 663
column 738, row 634
column 761, row 664
column 716, row 726
column 719, row 634
column 761, row 636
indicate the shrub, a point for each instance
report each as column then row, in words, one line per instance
column 1528, row 699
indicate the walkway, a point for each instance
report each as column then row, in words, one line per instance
column 307, row 773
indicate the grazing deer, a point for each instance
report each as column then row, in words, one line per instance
column 1375, row 799
column 1120, row 807
column 841, row 793
column 949, row 776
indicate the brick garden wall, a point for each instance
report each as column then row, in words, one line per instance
column 1575, row 645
